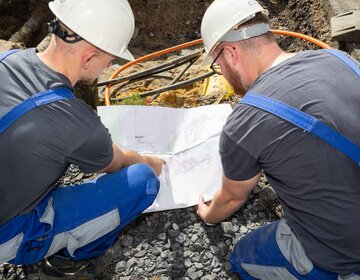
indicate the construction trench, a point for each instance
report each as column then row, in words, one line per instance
column 175, row 244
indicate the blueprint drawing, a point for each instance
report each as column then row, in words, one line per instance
column 187, row 139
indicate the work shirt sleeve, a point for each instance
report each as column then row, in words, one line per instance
column 238, row 164
column 95, row 153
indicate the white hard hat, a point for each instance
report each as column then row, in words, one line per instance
column 107, row 24
column 221, row 17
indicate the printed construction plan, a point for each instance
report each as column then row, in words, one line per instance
column 187, row 139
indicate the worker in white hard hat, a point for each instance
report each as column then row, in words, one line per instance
column 44, row 129
column 297, row 123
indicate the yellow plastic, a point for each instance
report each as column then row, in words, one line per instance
column 217, row 85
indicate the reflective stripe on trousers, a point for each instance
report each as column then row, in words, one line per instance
column 82, row 220
column 273, row 252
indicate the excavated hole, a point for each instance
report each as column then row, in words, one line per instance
column 160, row 26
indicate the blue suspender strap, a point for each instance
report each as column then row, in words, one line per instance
column 7, row 53
column 344, row 59
column 34, row 101
column 305, row 122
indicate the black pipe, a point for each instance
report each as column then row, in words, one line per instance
column 157, row 69
column 178, row 76
column 169, row 87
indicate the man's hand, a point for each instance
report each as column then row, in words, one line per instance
column 155, row 163
column 227, row 200
column 202, row 208
column 123, row 158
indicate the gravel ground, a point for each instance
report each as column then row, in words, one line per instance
column 172, row 244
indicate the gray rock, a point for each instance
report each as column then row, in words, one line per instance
column 161, row 236
column 181, row 238
column 243, row 229
column 188, row 263
column 131, row 262
column 140, row 254
column 120, row 266
column 127, row 240
column 227, row 227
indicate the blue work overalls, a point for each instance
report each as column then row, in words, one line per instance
column 260, row 254
column 84, row 220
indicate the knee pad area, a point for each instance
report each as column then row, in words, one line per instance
column 141, row 178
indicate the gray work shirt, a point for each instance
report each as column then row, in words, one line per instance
column 37, row 149
column 318, row 186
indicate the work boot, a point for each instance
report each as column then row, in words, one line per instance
column 269, row 201
column 58, row 267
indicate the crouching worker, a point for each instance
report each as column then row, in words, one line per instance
column 298, row 122
column 44, row 129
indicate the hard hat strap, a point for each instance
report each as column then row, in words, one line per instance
column 56, row 29
column 246, row 32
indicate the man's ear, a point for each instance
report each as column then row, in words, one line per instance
column 88, row 58
column 232, row 54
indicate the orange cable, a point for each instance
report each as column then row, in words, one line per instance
column 143, row 58
column 302, row 36
column 198, row 41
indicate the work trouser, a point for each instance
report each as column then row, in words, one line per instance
column 83, row 221
column 273, row 252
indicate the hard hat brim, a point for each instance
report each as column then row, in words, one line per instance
column 207, row 60
column 126, row 55
column 245, row 33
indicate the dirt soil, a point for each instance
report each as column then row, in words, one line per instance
column 165, row 23
column 161, row 26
